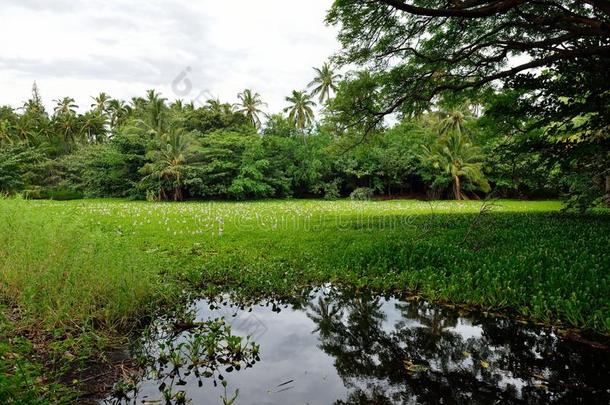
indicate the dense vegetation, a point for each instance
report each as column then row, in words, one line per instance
column 155, row 150
column 435, row 106
column 519, row 258
column 551, row 59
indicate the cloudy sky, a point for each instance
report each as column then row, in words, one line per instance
column 185, row 49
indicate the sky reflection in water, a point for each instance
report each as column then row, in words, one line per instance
column 336, row 347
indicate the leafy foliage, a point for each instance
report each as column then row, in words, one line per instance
column 551, row 57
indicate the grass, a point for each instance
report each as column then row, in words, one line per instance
column 75, row 277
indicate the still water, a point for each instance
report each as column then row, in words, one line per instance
column 337, row 347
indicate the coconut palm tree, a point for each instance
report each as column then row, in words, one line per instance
column 249, row 105
column 118, row 111
column 324, row 82
column 218, row 107
column 177, row 105
column 26, row 130
column 168, row 163
column 65, row 106
column 453, row 121
column 100, row 104
column 155, row 105
column 457, row 157
column 214, row 105
column 93, row 126
column 137, row 103
column 67, row 125
column 325, row 314
column 151, row 114
column 300, row 111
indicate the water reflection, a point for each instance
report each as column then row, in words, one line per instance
column 336, row 347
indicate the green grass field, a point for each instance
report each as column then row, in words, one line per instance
column 76, row 277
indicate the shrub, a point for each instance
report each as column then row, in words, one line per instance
column 331, row 190
column 362, row 194
column 60, row 194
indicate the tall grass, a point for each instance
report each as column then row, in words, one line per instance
column 76, row 276
column 56, row 270
column 68, row 292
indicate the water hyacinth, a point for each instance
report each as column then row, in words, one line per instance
column 110, row 263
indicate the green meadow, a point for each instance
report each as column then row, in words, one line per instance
column 80, row 277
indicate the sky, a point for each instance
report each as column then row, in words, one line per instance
column 193, row 50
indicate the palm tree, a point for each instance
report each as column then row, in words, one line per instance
column 118, row 111
column 138, row 103
column 33, row 107
column 168, row 163
column 67, row 125
column 177, row 106
column 456, row 156
column 151, row 114
column 325, row 314
column 249, row 105
column 6, row 134
column 453, row 121
column 190, row 106
column 155, row 105
column 93, row 126
column 300, row 112
column 214, row 105
column 26, row 130
column 100, row 104
column 65, row 106
column 325, row 82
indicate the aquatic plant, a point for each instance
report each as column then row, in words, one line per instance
column 176, row 349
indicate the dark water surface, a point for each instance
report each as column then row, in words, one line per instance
column 337, row 347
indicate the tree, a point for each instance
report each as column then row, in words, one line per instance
column 65, row 106
column 218, row 107
column 324, row 82
column 300, row 111
column 118, row 111
column 249, row 105
column 32, row 126
column 280, row 125
column 453, row 121
column 93, row 126
column 555, row 55
column 100, row 104
column 457, row 157
column 177, row 106
column 66, row 130
column 168, row 163
column 15, row 161
column 34, row 105
column 213, row 116
column 155, row 112
column 421, row 49
column 8, row 120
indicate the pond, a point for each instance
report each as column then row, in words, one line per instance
column 332, row 346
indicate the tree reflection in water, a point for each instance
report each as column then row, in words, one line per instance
column 338, row 346
column 431, row 355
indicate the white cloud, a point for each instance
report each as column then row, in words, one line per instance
column 123, row 48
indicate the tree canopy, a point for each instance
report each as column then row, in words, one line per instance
column 549, row 60
column 420, row 49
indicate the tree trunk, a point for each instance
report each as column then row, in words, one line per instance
column 177, row 193
column 457, row 188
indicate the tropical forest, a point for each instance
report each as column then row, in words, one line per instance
column 421, row 217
